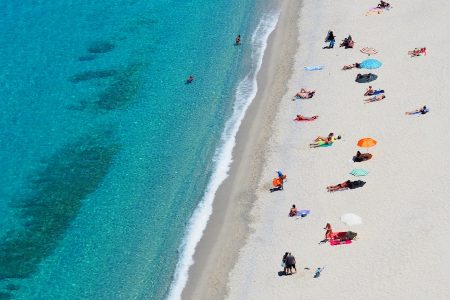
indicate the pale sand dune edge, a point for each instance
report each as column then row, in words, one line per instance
column 401, row 251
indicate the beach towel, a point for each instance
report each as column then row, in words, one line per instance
column 377, row 92
column 326, row 145
column 359, row 172
column 314, row 68
column 303, row 213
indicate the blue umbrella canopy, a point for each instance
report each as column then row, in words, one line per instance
column 370, row 64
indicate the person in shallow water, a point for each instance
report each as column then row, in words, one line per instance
column 238, row 40
column 190, row 79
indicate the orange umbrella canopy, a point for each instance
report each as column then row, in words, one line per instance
column 367, row 142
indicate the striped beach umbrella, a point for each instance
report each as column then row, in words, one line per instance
column 369, row 51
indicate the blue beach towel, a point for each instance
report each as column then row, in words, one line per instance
column 303, row 213
column 314, row 68
column 378, row 92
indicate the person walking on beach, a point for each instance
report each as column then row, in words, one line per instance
column 331, row 38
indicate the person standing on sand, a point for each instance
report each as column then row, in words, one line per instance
column 330, row 38
column 328, row 232
column 283, row 260
column 290, row 263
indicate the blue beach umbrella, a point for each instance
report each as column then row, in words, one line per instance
column 370, row 64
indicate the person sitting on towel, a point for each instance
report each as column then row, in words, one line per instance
column 303, row 118
column 340, row 186
column 369, row 91
column 293, row 211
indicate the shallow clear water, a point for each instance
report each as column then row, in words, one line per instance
column 105, row 151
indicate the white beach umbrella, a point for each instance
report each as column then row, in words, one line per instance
column 351, row 219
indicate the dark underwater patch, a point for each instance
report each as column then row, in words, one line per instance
column 89, row 75
column 56, row 195
column 100, row 47
column 122, row 90
column 88, row 57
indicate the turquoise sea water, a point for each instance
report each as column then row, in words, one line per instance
column 105, row 152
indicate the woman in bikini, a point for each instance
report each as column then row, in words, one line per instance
column 340, row 186
column 303, row 118
column 374, row 98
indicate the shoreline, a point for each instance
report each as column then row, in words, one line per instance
column 219, row 246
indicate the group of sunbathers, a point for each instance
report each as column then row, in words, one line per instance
column 347, row 42
column 418, row 52
column 322, row 141
column 304, row 94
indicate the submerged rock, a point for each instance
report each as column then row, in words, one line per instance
column 100, row 47
column 89, row 75
column 122, row 91
column 56, row 195
column 88, row 57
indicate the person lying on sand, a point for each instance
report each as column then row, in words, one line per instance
column 359, row 157
column 348, row 67
column 303, row 118
column 383, row 4
column 375, row 98
column 293, row 211
column 422, row 111
column 321, row 141
column 304, row 94
column 338, row 187
column 418, row 52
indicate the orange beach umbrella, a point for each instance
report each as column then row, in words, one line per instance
column 367, row 142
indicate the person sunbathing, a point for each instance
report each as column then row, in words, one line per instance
column 302, row 118
column 383, row 4
column 304, row 94
column 375, row 98
column 418, row 52
column 321, row 141
column 293, row 211
column 359, row 157
column 348, row 67
column 422, row 111
column 341, row 186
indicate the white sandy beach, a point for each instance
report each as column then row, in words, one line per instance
column 401, row 247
